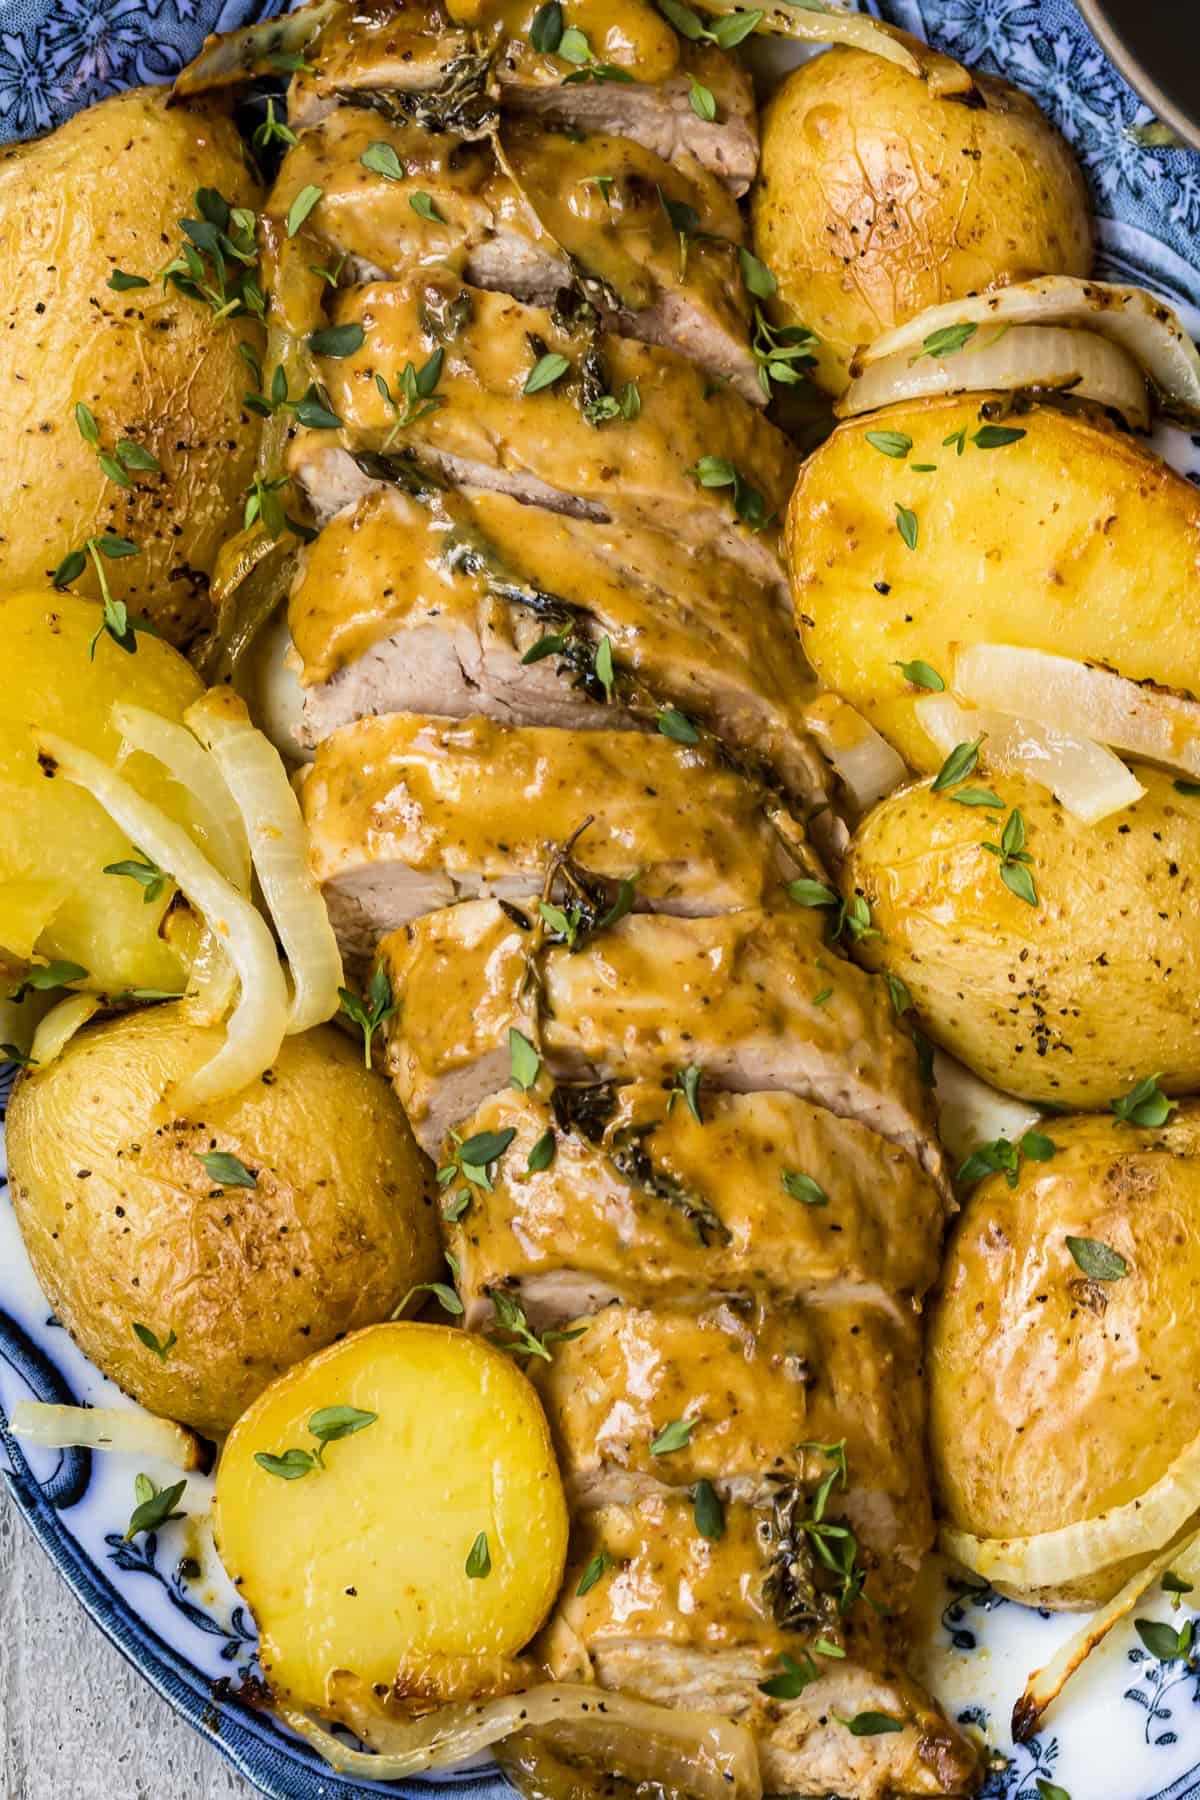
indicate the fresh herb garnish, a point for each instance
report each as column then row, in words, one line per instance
column 152, row 879
column 675, row 1436
column 416, row 389
column 626, row 405
column 546, row 29
column 311, row 409
column 1175, row 1584
column 155, row 1506
column 327, row 1425
column 549, row 368
column 978, row 797
column 117, row 621
column 337, row 340
column 726, row 31
column 947, row 341
column 120, row 281
column 757, row 279
column 1002, row 1157
column 792, row 1679
column 872, row 1724
column 1163, row 1641
column 513, row 1332
column 922, row 675
column 1145, row 1105
column 446, row 1297
column 596, row 1567
column 890, row 443
column 422, row 204
column 227, row 1169
column 783, row 352
column 300, row 208
column 907, row 525
column 472, row 1158
column 994, row 437
column 748, row 503
column 806, row 892
column 524, row 1061
column 686, row 1085
column 960, row 763
column 702, row 100
column 40, row 977
column 676, row 725
column 541, row 1154
column 369, row 1012
column 125, row 454
column 269, row 131
column 217, row 263
column 708, row 1512
column 382, row 159
column 479, row 1561
column 803, row 1188
column 1014, row 858
column 603, row 667
column 264, row 501
column 1099, row 1262
column 161, row 1347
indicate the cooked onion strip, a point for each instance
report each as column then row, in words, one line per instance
column 710, row 1757
column 1046, row 1684
column 1028, row 356
column 256, row 1027
column 1139, row 322
column 258, row 781
column 59, row 1026
column 829, row 24
column 865, row 761
column 971, row 1113
column 237, row 56
column 212, row 982
column 1070, row 696
column 188, row 764
column 1088, row 779
column 1139, row 1528
column 107, row 1428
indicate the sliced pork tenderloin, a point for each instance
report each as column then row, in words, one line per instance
column 540, row 213
column 697, row 455
column 732, row 999
column 642, row 1205
column 407, row 814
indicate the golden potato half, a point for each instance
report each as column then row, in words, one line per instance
column 1055, row 1396
column 876, row 198
column 106, row 192
column 1072, row 539
column 55, row 840
column 427, row 1542
column 1073, row 1000
column 125, row 1224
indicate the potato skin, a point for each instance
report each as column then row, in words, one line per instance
column 1072, row 1001
column 876, row 199
column 1080, row 1393
column 1073, row 540
column 124, row 1224
column 356, row 1574
column 55, row 840
column 104, row 191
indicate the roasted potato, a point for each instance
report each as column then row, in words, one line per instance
column 876, row 198
column 55, row 840
column 129, row 1231
column 105, row 193
column 1071, row 538
column 428, row 1544
column 1079, row 1391
column 1072, row 1000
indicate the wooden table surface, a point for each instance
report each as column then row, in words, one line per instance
column 78, row 1723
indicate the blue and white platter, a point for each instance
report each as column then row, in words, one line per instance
column 1129, row 1726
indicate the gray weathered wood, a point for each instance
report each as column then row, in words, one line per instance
column 77, row 1722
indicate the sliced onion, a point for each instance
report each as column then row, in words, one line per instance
column 59, row 1026
column 865, row 761
column 236, row 56
column 827, row 23
column 1027, row 356
column 1139, row 1528
column 107, row 1428
column 188, row 764
column 1047, row 1683
column 257, row 779
column 971, row 1113
column 1142, row 324
column 707, row 1756
column 1077, row 697
column 212, row 983
column 1089, row 780
column 257, row 1026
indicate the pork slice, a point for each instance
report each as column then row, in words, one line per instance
column 731, row 998
column 544, row 213
column 407, row 813
column 761, row 1386
column 403, row 605
column 484, row 430
column 691, row 1621
column 644, row 1206
column 410, row 61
